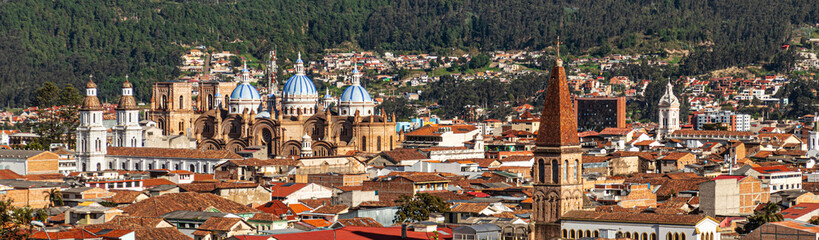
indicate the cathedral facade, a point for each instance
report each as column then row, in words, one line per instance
column 279, row 121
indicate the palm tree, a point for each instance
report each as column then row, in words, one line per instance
column 54, row 197
column 769, row 213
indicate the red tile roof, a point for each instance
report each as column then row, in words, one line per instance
column 172, row 153
column 363, row 233
column 432, row 130
column 275, row 207
column 772, row 169
column 615, row 131
column 219, row 224
column 799, row 210
column 156, row 206
column 9, row 174
column 285, row 189
column 360, row 222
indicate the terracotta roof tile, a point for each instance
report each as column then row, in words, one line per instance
column 161, row 234
column 158, row 205
column 360, row 222
column 9, row 174
column 219, row 224
column 124, row 196
column 432, row 130
column 469, row 207
column 331, row 209
column 209, row 187
column 156, row 182
column 275, row 207
column 401, row 154
column 172, row 153
column 285, row 189
column 265, row 217
column 317, row 222
column 316, row 203
column 298, row 208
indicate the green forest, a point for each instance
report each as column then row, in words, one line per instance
column 65, row 41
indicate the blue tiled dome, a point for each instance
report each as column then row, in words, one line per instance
column 299, row 84
column 245, row 91
column 356, row 93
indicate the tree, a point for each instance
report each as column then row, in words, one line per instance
column 479, row 61
column 770, row 213
column 399, row 106
column 57, row 114
column 418, row 208
column 54, row 197
column 17, row 220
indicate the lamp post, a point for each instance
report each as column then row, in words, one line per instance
column 41, row 226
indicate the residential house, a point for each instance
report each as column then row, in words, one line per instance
column 156, row 206
column 25, row 162
column 389, row 188
column 92, row 214
column 252, row 169
column 776, row 178
column 625, row 195
column 464, row 210
column 242, row 192
column 219, row 228
column 480, row 231
column 26, row 193
column 801, row 212
column 398, row 156
column 732, row 195
column 675, row 161
column 787, row 229
column 290, row 193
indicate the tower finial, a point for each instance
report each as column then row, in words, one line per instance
column 558, row 46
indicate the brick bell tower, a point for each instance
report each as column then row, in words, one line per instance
column 558, row 158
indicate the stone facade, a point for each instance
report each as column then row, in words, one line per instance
column 171, row 107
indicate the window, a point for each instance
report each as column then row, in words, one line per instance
column 571, row 234
column 565, row 233
column 181, row 102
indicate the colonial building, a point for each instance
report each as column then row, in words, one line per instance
column 558, row 159
column 91, row 134
column 244, row 123
column 669, row 113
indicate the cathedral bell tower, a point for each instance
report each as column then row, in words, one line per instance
column 558, row 159
column 91, row 134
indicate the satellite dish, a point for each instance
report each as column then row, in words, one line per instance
column 38, row 224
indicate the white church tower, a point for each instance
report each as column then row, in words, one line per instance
column 127, row 132
column 91, row 134
column 306, row 146
column 669, row 107
column 813, row 137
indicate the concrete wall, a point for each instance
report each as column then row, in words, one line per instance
column 355, row 198
column 258, row 195
column 720, row 197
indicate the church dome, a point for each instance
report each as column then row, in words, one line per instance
column 90, row 84
column 127, row 84
column 245, row 91
column 356, row 93
column 299, row 84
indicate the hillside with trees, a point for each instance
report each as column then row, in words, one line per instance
column 65, row 41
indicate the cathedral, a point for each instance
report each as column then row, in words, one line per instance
column 558, row 159
column 295, row 121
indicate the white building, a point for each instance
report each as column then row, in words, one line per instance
column 776, row 178
column 143, row 159
column 580, row 224
column 245, row 97
column 91, row 134
column 291, row 193
column 669, row 115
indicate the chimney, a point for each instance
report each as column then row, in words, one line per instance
column 403, row 231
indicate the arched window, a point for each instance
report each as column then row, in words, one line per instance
column 99, row 167
column 378, row 143
column 541, row 171
column 596, row 234
column 587, row 234
column 110, row 165
column 192, row 168
column 565, row 233
column 577, row 169
column 124, row 166
column 571, row 234
column 619, row 235
column 555, row 171
column 98, row 145
column 628, row 235
column 565, row 170
column 363, row 143
column 164, row 104
column 668, row 236
column 682, row 236
column 176, row 166
column 653, row 236
column 676, row 236
column 205, row 168
column 644, row 236
column 391, row 143
column 181, row 102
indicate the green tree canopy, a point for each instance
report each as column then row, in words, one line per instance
column 418, row 208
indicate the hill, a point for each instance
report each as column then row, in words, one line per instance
column 64, row 41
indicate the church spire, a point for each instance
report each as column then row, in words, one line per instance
column 558, row 123
column 356, row 76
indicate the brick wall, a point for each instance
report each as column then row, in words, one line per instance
column 35, row 197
